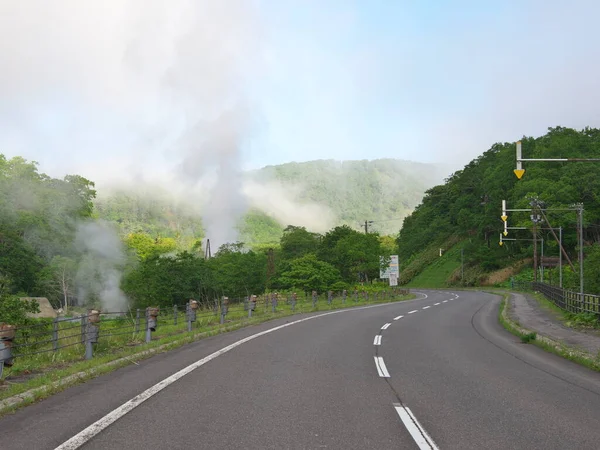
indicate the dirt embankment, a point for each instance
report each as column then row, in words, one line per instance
column 502, row 275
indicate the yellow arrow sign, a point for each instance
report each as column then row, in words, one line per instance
column 519, row 173
column 506, row 233
column 500, row 243
column 504, row 218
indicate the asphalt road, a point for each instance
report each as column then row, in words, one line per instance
column 444, row 375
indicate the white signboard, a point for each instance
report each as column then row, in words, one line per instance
column 393, row 279
column 393, row 267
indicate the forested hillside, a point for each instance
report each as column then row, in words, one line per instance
column 359, row 190
column 468, row 204
column 353, row 191
column 135, row 249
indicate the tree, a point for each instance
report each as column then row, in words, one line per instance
column 13, row 310
column 145, row 246
column 238, row 272
column 355, row 255
column 59, row 278
column 308, row 273
column 297, row 242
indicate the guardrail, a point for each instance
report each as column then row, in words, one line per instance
column 70, row 339
column 570, row 301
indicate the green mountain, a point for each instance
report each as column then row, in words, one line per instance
column 468, row 206
column 384, row 191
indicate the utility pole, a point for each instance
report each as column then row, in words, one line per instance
column 580, row 232
column 562, row 249
column 535, row 262
column 535, row 218
column 462, row 266
column 270, row 266
column 560, row 259
column 207, row 253
column 542, row 261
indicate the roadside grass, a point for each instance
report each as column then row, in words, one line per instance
column 52, row 371
column 549, row 345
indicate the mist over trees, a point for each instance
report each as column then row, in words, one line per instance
column 56, row 244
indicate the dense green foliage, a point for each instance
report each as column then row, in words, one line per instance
column 469, row 203
column 303, row 261
column 38, row 218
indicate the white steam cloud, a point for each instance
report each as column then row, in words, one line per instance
column 164, row 85
column 280, row 203
column 99, row 274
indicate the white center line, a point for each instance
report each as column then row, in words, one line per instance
column 381, row 369
column 418, row 433
column 398, row 318
column 435, row 304
column 445, row 301
column 377, row 340
column 413, row 311
column 88, row 433
column 385, row 327
column 425, row 307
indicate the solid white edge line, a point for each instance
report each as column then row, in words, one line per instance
column 435, row 304
column 385, row 327
column 418, row 433
column 386, row 374
column 398, row 318
column 377, row 340
column 88, row 433
column 426, row 307
column 413, row 311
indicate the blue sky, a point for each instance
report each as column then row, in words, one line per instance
column 431, row 81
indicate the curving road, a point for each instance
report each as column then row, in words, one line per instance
column 436, row 372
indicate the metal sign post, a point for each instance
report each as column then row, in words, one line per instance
column 519, row 171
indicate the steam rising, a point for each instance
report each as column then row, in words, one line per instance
column 171, row 80
column 279, row 202
column 99, row 273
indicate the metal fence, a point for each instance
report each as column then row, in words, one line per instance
column 570, row 301
column 99, row 332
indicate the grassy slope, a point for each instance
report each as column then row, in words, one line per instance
column 436, row 274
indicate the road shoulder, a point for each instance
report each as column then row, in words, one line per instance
column 522, row 315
